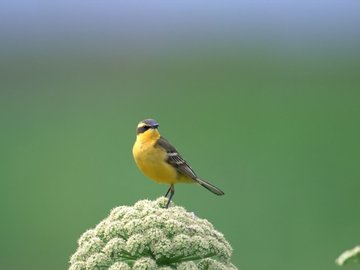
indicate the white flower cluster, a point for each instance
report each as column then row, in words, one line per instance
column 147, row 236
column 349, row 256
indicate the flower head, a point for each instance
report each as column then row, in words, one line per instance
column 147, row 236
column 349, row 256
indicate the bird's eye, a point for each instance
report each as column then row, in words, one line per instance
column 142, row 129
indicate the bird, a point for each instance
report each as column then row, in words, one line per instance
column 159, row 160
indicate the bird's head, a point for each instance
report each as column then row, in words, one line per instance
column 148, row 129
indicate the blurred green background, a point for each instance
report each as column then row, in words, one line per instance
column 263, row 99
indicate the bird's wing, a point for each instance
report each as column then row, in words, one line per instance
column 175, row 159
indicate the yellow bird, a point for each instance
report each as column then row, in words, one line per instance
column 160, row 161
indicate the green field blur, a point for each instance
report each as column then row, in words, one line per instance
column 278, row 132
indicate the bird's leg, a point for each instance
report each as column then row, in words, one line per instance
column 172, row 191
column 167, row 192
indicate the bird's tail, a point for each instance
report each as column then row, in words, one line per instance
column 210, row 187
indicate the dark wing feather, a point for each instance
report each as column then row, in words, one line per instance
column 175, row 159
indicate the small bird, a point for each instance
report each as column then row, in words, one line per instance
column 160, row 161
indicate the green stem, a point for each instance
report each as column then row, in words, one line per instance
column 179, row 259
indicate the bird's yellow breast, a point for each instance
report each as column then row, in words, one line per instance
column 151, row 161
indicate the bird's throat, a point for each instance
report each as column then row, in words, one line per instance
column 150, row 136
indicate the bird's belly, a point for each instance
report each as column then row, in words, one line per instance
column 153, row 164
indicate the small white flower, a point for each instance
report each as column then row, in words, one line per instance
column 187, row 266
column 352, row 255
column 145, row 264
column 114, row 247
column 97, row 261
column 78, row 266
column 120, row 266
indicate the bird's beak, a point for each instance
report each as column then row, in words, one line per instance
column 154, row 126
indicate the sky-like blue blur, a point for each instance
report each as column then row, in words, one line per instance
column 156, row 24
